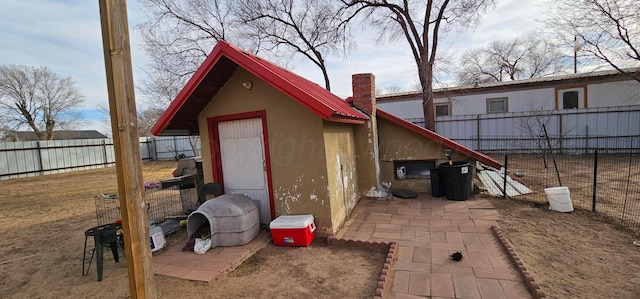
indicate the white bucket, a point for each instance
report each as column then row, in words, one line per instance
column 559, row 199
column 156, row 236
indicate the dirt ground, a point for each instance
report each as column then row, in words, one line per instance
column 618, row 182
column 43, row 219
column 572, row 255
column 42, row 224
column 317, row 271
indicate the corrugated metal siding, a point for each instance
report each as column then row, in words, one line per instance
column 583, row 123
column 610, row 94
column 246, row 129
column 34, row 158
column 403, row 109
column 613, row 94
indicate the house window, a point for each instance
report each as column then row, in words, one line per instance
column 571, row 97
column 570, row 100
column 497, row 105
column 443, row 109
column 413, row 169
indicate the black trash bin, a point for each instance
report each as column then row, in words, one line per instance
column 436, row 183
column 457, row 180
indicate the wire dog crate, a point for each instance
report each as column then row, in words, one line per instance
column 165, row 206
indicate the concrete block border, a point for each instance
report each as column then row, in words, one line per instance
column 534, row 288
column 385, row 274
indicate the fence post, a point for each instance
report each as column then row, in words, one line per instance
column 155, row 148
column 595, row 180
column 478, row 133
column 40, row 158
column 148, row 139
column 104, row 152
column 586, row 141
column 560, row 135
column 504, row 190
column 626, row 191
column 175, row 148
column 41, row 164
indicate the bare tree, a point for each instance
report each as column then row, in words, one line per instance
column 147, row 117
column 308, row 27
column 607, row 30
column 178, row 36
column 391, row 89
column 37, row 98
column 510, row 60
column 422, row 24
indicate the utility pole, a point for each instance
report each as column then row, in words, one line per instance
column 576, row 48
column 124, row 126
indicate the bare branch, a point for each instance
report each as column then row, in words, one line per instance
column 312, row 28
column 510, row 60
column 608, row 30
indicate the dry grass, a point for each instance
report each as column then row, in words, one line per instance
column 572, row 255
column 53, row 193
column 618, row 178
column 42, row 226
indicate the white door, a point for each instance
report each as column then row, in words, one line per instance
column 243, row 161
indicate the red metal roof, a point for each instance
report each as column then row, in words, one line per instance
column 180, row 118
column 444, row 141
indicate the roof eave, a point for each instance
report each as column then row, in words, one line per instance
column 283, row 85
column 242, row 59
column 346, row 120
column 185, row 93
column 454, row 146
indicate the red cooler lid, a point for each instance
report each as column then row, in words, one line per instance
column 291, row 221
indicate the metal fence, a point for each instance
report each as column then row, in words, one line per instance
column 34, row 158
column 603, row 178
column 165, row 207
column 570, row 145
column 568, row 123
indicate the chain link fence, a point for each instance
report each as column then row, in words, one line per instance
column 603, row 177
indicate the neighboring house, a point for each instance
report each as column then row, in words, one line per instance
column 293, row 145
column 602, row 103
column 57, row 135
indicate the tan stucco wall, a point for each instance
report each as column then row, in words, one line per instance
column 367, row 155
column 296, row 144
column 397, row 143
column 340, row 154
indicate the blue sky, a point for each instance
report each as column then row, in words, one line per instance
column 65, row 36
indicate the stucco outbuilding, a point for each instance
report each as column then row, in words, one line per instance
column 293, row 145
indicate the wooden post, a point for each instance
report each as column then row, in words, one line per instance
column 124, row 126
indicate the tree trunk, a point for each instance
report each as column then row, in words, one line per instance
column 327, row 85
column 49, row 129
column 323, row 67
column 426, row 79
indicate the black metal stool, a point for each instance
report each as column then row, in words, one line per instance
column 103, row 235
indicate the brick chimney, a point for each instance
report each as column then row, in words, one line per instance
column 364, row 92
column 366, row 136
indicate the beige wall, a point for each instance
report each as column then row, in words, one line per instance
column 398, row 143
column 365, row 137
column 296, row 144
column 341, row 169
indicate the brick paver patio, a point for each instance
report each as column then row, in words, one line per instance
column 174, row 262
column 428, row 230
